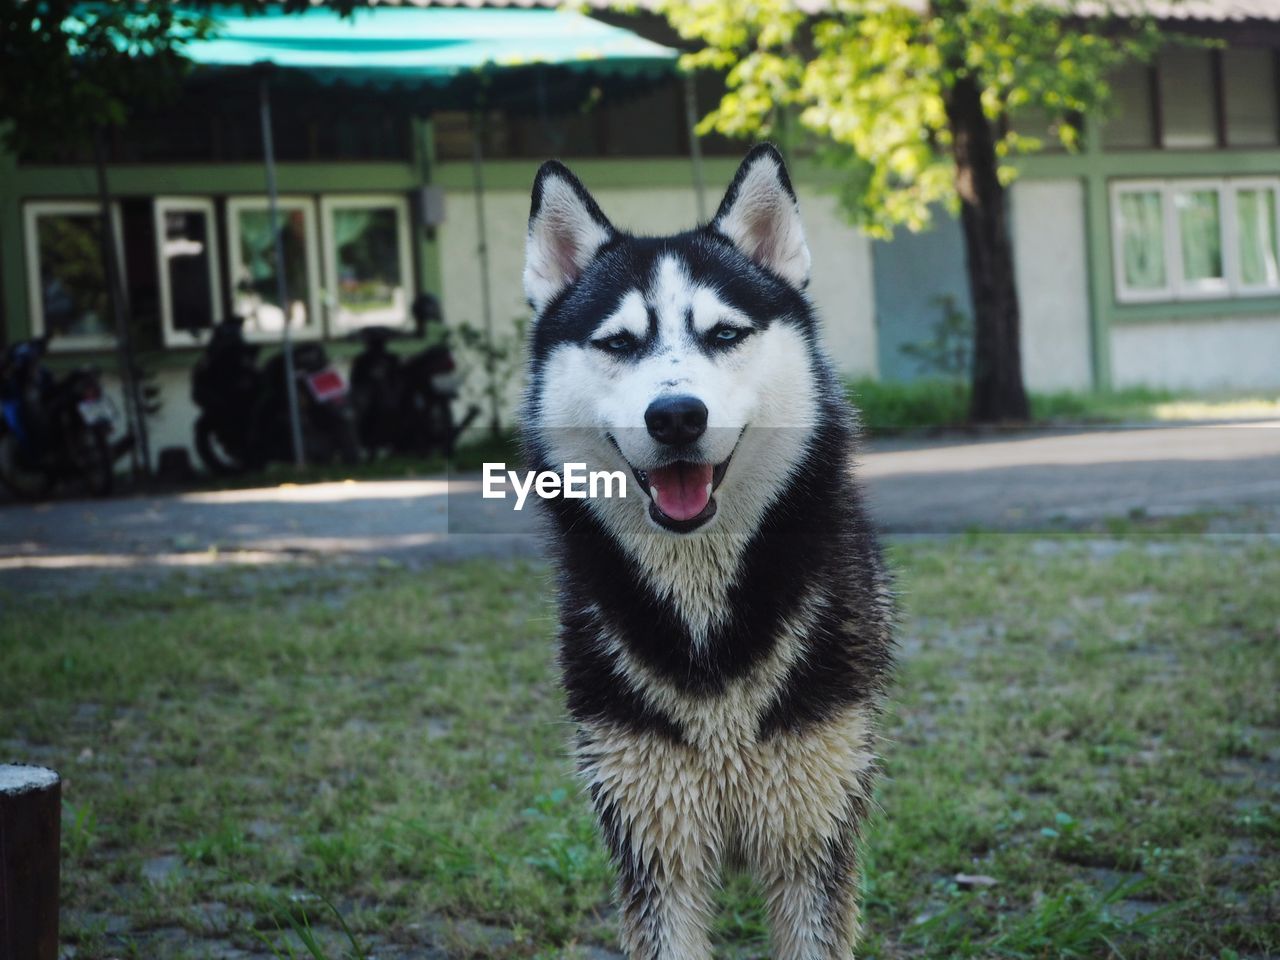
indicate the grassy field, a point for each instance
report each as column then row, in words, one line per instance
column 1083, row 760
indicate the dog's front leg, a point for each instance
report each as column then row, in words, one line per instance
column 666, row 863
column 811, row 895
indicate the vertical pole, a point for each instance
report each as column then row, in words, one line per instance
column 139, row 455
column 482, row 252
column 695, row 145
column 30, row 830
column 1098, row 256
column 282, row 288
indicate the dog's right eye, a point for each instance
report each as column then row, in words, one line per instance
column 618, row 343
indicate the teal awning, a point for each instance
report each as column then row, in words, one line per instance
column 411, row 46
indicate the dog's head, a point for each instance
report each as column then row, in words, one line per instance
column 688, row 361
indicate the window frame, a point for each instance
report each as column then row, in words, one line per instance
column 330, row 204
column 161, row 206
column 1233, row 187
column 31, row 212
column 1124, row 293
column 1176, row 288
column 1210, row 288
column 314, row 329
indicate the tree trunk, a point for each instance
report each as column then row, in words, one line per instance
column 30, row 833
column 998, row 392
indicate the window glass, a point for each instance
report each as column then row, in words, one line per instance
column 1249, row 90
column 1192, row 239
column 188, row 266
column 254, row 267
column 1199, row 235
column 1256, row 237
column 70, row 279
column 1142, row 240
column 1186, row 98
column 1130, row 122
column 367, row 264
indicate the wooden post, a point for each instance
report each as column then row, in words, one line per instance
column 30, row 835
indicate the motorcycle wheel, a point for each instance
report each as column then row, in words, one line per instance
column 95, row 463
column 213, row 453
column 24, row 481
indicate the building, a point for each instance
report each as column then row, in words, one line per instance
column 1149, row 258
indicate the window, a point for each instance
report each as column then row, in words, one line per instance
column 1187, row 98
column 1189, row 239
column 1131, row 123
column 1249, row 95
column 66, row 280
column 367, row 261
column 253, row 266
column 1138, row 215
column 190, row 299
column 1197, row 211
column 1256, row 232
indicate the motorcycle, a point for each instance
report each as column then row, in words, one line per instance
column 405, row 404
column 244, row 419
column 55, row 429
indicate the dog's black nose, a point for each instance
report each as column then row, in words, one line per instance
column 676, row 420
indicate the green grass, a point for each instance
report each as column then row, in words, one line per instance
column 1090, row 722
column 891, row 407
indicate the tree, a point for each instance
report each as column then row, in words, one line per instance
column 68, row 67
column 917, row 102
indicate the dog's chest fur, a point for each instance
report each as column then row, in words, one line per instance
column 728, row 641
column 723, row 771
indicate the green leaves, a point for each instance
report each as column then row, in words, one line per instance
column 67, row 68
column 869, row 79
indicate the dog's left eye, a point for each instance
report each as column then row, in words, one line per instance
column 724, row 334
column 618, row 343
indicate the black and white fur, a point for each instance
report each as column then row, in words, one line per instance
column 725, row 674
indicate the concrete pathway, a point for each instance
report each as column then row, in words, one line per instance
column 1070, row 478
column 1024, row 482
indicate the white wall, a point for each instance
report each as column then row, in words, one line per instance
column 841, row 284
column 1051, row 263
column 1225, row 353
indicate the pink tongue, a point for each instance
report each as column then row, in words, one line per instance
column 682, row 489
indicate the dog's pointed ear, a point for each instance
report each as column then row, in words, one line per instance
column 760, row 216
column 566, row 229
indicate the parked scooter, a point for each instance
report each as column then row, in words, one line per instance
column 244, row 419
column 405, row 404
column 54, row 429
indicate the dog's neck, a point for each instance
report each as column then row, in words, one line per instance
column 691, row 574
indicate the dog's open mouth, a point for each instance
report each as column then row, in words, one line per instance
column 681, row 494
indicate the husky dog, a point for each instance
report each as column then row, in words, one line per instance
column 725, row 631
